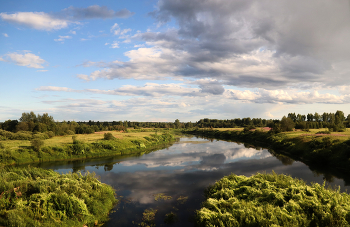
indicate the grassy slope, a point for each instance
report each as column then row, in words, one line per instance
column 272, row 200
column 88, row 145
column 37, row 197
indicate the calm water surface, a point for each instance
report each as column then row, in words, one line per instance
column 184, row 169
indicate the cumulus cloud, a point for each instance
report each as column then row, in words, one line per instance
column 55, row 21
column 253, row 43
column 36, row 20
column 5, row 34
column 24, row 59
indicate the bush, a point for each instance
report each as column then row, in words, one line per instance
column 108, row 136
column 272, row 200
column 37, row 144
column 323, row 132
column 37, row 197
column 50, row 134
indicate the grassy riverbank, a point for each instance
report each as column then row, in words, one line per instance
column 326, row 150
column 37, row 197
column 81, row 146
column 272, row 200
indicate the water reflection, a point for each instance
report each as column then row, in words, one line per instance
column 185, row 169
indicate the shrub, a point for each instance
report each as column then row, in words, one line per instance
column 37, row 144
column 272, row 200
column 108, row 136
column 37, row 197
column 323, row 132
column 50, row 134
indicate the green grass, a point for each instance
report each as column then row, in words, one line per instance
column 272, row 200
column 83, row 146
column 37, row 197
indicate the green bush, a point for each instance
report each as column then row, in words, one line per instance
column 108, row 136
column 37, row 197
column 37, row 144
column 272, row 200
column 323, row 132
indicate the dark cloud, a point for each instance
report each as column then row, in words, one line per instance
column 92, row 12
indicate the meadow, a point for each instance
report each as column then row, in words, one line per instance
column 70, row 147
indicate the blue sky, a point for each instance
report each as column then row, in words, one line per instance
column 164, row 60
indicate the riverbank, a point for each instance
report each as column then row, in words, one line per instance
column 82, row 146
column 313, row 149
column 272, row 200
column 37, row 197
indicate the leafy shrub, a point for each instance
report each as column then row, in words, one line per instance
column 37, row 197
column 323, row 132
column 108, row 136
column 37, row 144
column 272, row 200
column 50, row 134
column 42, row 136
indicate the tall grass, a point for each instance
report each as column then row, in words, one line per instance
column 37, row 197
column 272, row 200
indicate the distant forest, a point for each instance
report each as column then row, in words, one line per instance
column 30, row 122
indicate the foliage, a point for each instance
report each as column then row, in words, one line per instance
column 272, row 200
column 37, row 197
column 108, row 136
column 37, row 144
column 323, row 132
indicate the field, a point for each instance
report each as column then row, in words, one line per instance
column 83, row 146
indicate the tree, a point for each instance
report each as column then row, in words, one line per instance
column 317, row 117
column 292, row 116
column 287, row 124
column 310, row 117
column 177, row 123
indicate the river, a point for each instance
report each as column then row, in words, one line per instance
column 174, row 179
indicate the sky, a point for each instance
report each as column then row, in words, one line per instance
column 161, row 60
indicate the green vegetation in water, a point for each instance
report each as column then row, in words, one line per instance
column 37, row 197
column 272, row 200
column 148, row 219
column 182, row 199
column 161, row 196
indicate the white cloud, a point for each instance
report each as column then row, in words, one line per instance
column 73, row 32
column 43, row 70
column 82, row 39
column 83, row 77
column 5, row 34
column 115, row 44
column 115, row 29
column 36, row 20
column 125, row 31
column 26, row 59
column 62, row 38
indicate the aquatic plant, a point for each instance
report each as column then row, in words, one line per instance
column 272, row 200
column 37, row 197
